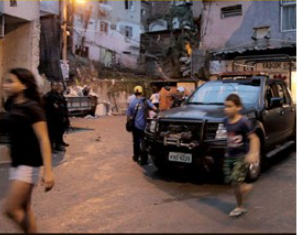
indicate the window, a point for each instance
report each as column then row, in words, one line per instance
column 181, row 3
column 103, row 26
column 103, row 1
column 282, row 94
column 261, row 33
column 231, row 11
column 143, row 12
column 13, row 3
column 288, row 15
column 82, row 50
column 128, row 32
column 278, row 90
column 216, row 93
column 129, row 5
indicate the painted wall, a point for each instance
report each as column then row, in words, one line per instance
column 219, row 33
column 28, row 10
column 114, row 39
column 21, row 49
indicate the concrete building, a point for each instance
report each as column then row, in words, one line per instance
column 108, row 32
column 20, row 33
column 50, row 41
column 171, row 36
column 242, row 28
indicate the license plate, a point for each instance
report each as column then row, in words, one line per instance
column 180, row 157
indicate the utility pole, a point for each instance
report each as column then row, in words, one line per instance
column 64, row 20
column 64, row 62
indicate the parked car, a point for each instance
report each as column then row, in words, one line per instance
column 193, row 135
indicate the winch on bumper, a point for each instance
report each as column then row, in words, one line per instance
column 187, row 143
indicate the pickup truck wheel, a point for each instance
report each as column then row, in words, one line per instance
column 161, row 166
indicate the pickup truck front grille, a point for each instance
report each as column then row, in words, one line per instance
column 211, row 130
column 189, row 130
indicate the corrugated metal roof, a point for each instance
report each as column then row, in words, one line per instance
column 256, row 46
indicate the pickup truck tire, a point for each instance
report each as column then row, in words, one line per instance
column 160, row 165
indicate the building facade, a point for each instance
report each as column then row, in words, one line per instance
column 108, row 32
column 171, row 37
column 20, row 34
column 50, row 40
column 249, row 28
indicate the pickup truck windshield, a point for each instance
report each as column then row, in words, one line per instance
column 216, row 93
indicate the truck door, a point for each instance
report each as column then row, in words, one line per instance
column 288, row 111
column 273, row 118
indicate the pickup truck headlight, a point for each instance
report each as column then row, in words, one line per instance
column 251, row 115
column 221, row 132
column 152, row 125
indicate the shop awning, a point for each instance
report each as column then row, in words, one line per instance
column 262, row 45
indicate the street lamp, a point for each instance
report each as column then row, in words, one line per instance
column 65, row 65
column 81, row 1
column 65, row 34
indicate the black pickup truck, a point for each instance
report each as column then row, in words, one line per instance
column 193, row 135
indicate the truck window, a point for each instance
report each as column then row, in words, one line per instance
column 279, row 91
column 269, row 94
column 287, row 95
column 282, row 95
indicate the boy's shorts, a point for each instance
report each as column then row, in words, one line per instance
column 235, row 170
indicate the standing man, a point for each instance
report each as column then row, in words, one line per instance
column 64, row 112
column 54, row 115
column 138, row 110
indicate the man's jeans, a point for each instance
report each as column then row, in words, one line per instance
column 139, row 149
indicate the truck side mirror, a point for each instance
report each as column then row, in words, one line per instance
column 276, row 102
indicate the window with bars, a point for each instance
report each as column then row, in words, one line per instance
column 288, row 15
column 231, row 11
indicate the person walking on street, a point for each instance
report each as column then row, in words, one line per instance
column 29, row 147
column 242, row 150
column 138, row 110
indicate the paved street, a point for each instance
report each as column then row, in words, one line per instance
column 100, row 189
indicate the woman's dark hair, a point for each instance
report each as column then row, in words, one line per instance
column 235, row 99
column 27, row 78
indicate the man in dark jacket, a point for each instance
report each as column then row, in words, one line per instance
column 55, row 113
